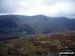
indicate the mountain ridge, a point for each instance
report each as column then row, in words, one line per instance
column 39, row 24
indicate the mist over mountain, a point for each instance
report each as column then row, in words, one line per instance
column 16, row 25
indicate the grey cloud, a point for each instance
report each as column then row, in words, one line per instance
column 9, row 6
column 13, row 6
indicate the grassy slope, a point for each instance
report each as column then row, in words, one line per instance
column 38, row 45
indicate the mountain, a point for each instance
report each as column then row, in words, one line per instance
column 16, row 25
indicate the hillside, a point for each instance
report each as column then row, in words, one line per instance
column 38, row 45
column 17, row 25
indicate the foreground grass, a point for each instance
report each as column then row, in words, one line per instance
column 36, row 45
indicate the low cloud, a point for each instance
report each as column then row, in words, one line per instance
column 34, row 7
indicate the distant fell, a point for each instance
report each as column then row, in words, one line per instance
column 16, row 25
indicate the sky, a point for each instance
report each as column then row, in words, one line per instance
column 36, row 7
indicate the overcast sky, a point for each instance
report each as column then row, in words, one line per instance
column 35, row 7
